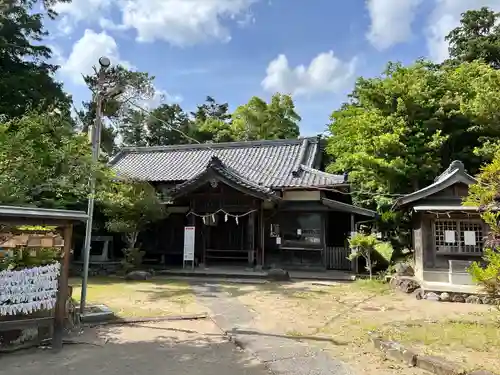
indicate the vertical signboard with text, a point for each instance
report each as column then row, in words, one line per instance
column 189, row 245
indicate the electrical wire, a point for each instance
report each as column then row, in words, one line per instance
column 276, row 179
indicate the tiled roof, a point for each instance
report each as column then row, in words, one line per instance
column 229, row 175
column 455, row 173
column 273, row 164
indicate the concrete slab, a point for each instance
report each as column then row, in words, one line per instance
column 451, row 288
column 247, row 273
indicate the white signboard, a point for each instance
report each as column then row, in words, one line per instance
column 278, row 240
column 189, row 244
column 449, row 236
column 470, row 238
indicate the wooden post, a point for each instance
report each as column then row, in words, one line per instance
column 324, row 224
column 62, row 291
column 354, row 262
column 251, row 238
column 262, row 234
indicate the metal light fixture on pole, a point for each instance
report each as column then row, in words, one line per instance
column 104, row 62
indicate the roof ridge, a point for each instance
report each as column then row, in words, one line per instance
column 220, row 145
column 317, row 171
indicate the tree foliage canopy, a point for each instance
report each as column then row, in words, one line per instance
column 398, row 131
column 43, row 162
column 260, row 120
column 169, row 124
column 477, row 38
column 130, row 206
column 26, row 78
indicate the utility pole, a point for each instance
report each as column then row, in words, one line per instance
column 104, row 62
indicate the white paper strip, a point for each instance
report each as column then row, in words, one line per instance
column 449, row 236
column 28, row 290
column 278, row 240
column 470, row 238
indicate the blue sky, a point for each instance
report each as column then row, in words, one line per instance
column 234, row 49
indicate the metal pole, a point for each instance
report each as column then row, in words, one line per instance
column 96, row 138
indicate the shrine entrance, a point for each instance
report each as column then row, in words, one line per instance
column 225, row 239
column 225, row 209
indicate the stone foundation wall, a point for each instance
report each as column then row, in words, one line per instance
column 410, row 285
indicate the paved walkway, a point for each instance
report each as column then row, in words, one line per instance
column 281, row 354
column 177, row 348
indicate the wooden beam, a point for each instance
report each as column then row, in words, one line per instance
column 62, row 292
column 25, row 323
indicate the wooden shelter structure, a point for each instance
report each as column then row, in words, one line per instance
column 63, row 221
column 447, row 235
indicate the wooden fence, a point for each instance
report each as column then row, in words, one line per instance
column 336, row 258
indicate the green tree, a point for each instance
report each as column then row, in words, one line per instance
column 130, row 206
column 138, row 87
column 165, row 125
column 212, row 122
column 477, row 38
column 44, row 162
column 212, row 110
column 486, row 195
column 26, row 78
column 133, row 128
column 260, row 120
column 398, row 131
column 214, row 130
column 168, row 125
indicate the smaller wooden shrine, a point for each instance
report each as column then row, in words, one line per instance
column 35, row 247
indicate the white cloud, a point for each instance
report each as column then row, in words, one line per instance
column 179, row 22
column 160, row 97
column 79, row 10
column 85, row 55
column 86, row 52
column 391, row 21
column 325, row 73
column 445, row 17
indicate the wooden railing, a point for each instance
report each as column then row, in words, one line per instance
column 336, row 258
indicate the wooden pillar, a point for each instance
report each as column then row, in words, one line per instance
column 262, row 234
column 62, row 290
column 324, row 223
column 250, row 238
column 354, row 262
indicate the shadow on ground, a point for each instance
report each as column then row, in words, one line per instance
column 135, row 350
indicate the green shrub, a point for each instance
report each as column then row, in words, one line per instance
column 132, row 259
column 368, row 246
column 489, row 276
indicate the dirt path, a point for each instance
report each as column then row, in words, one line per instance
column 282, row 354
column 343, row 314
column 177, row 348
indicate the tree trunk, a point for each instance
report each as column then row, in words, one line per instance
column 131, row 239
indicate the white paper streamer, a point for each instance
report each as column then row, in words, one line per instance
column 28, row 290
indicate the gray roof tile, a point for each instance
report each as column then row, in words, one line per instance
column 274, row 164
column 455, row 173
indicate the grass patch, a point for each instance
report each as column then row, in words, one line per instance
column 150, row 298
column 483, row 336
column 374, row 286
column 294, row 333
